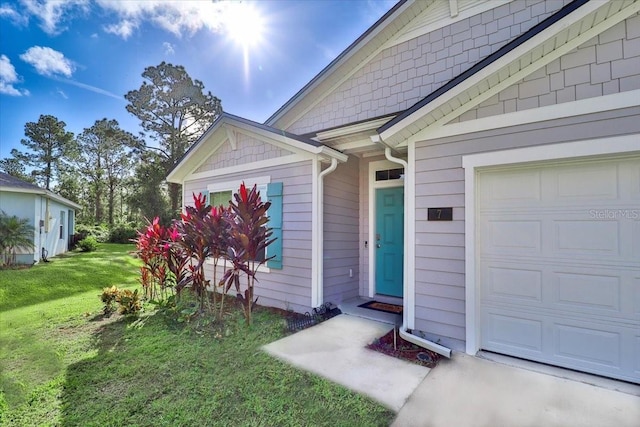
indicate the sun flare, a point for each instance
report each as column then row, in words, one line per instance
column 244, row 24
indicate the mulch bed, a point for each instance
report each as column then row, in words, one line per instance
column 404, row 350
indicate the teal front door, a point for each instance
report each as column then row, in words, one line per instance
column 389, row 241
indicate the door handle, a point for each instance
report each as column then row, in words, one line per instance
column 378, row 245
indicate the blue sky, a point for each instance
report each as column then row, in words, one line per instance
column 75, row 59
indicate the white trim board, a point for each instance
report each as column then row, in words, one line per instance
column 372, row 186
column 563, row 151
column 246, row 167
column 550, row 112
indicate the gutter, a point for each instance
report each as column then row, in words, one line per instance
column 318, row 293
column 408, row 256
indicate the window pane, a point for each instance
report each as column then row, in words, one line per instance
column 396, row 173
column 220, row 198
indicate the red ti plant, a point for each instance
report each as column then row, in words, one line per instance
column 153, row 248
column 247, row 239
column 195, row 237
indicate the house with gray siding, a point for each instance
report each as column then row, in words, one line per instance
column 477, row 162
column 51, row 216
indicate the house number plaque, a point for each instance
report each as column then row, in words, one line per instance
column 440, row 214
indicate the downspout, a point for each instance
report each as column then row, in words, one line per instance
column 408, row 253
column 319, row 292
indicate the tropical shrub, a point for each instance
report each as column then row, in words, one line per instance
column 15, row 233
column 99, row 232
column 122, row 234
column 164, row 264
column 247, row 238
column 109, row 297
column 129, row 302
column 174, row 257
column 88, row 244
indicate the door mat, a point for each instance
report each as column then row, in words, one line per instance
column 382, row 306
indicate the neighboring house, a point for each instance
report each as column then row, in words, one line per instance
column 52, row 216
column 477, row 162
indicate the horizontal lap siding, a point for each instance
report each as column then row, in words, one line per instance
column 440, row 259
column 289, row 288
column 341, row 232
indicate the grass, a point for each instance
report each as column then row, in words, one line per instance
column 63, row 364
column 67, row 275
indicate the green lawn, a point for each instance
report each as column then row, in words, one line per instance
column 62, row 364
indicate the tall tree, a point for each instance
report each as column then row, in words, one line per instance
column 15, row 167
column 104, row 156
column 49, row 146
column 173, row 110
column 147, row 194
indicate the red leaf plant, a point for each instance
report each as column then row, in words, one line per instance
column 174, row 257
column 247, row 238
column 161, row 268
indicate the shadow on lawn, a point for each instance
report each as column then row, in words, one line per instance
column 94, row 386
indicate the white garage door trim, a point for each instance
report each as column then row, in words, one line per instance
column 571, row 150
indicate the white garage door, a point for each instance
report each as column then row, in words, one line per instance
column 559, row 264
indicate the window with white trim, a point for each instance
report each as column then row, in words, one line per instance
column 221, row 193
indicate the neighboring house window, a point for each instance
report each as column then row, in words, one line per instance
column 62, row 224
column 221, row 193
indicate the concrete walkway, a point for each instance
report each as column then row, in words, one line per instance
column 468, row 391
column 335, row 349
column 462, row 391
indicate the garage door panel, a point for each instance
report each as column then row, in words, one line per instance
column 515, row 283
column 522, row 237
column 587, row 237
column 570, row 182
column 587, row 345
column 559, row 268
column 500, row 190
column 505, row 332
column 588, row 291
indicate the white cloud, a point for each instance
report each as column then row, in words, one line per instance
column 62, row 94
column 124, row 28
column 91, row 88
column 6, row 11
column 48, row 62
column 168, row 48
column 52, row 13
column 8, row 77
column 177, row 17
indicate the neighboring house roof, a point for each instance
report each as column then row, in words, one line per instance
column 204, row 146
column 560, row 33
column 12, row 184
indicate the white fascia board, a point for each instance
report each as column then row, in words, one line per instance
column 352, row 129
column 22, row 190
column 598, row 104
column 42, row 192
column 514, row 55
column 178, row 174
column 62, row 200
column 245, row 167
column 208, row 144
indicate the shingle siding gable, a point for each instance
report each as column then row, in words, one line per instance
column 606, row 64
column 401, row 75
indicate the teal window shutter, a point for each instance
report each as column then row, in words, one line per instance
column 207, row 200
column 274, row 195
